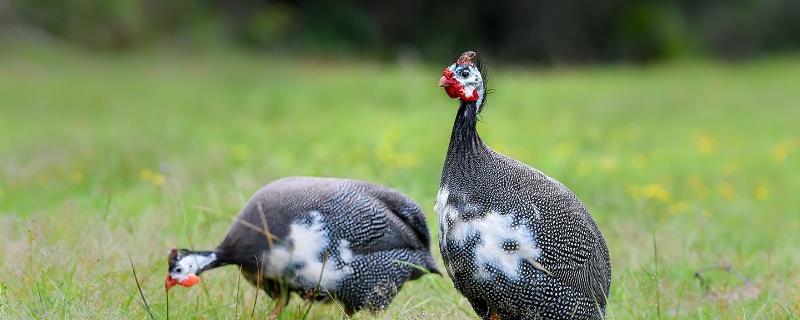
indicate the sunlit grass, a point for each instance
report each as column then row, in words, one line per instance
column 104, row 156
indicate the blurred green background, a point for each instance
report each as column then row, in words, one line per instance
column 519, row 31
column 131, row 127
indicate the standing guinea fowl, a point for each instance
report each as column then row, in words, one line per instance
column 517, row 243
column 322, row 238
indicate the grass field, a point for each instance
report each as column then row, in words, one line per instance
column 692, row 172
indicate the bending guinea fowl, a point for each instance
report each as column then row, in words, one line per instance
column 322, row 238
column 517, row 243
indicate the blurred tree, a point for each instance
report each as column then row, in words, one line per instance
column 541, row 31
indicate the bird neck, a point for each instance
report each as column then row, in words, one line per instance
column 209, row 259
column 465, row 143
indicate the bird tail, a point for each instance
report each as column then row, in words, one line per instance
column 430, row 265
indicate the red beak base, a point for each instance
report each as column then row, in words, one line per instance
column 169, row 282
column 191, row 279
column 450, row 84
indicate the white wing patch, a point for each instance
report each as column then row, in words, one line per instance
column 494, row 230
column 302, row 248
column 445, row 212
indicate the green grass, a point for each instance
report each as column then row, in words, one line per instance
column 102, row 157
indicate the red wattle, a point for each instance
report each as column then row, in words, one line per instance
column 191, row 279
column 453, row 88
column 453, row 91
column 169, row 282
column 449, row 83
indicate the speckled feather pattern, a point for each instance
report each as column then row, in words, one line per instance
column 534, row 251
column 364, row 239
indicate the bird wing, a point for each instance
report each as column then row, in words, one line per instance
column 573, row 250
column 374, row 218
column 578, row 256
column 406, row 211
column 371, row 218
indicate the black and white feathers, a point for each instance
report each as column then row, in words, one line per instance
column 517, row 243
column 359, row 242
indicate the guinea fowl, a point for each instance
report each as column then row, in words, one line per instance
column 322, row 238
column 517, row 243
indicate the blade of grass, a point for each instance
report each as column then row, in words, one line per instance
column 258, row 287
column 166, row 296
column 658, row 291
column 236, row 305
column 108, row 207
column 336, row 303
column 316, row 289
column 138, row 286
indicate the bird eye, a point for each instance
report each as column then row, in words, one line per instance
column 464, row 73
column 178, row 270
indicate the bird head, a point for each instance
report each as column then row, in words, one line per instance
column 185, row 267
column 465, row 79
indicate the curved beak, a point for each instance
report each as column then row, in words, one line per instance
column 442, row 81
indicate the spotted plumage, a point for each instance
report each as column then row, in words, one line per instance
column 322, row 238
column 516, row 243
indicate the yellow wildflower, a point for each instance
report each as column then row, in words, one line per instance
column 634, row 191
column 631, row 133
column 761, row 192
column 608, row 164
column 698, row 187
column 584, row 168
column 76, row 177
column 239, row 152
column 678, row 207
column 407, row 160
column 145, row 174
column 727, row 191
column 705, row 144
column 148, row 175
column 639, row 161
column 564, row 150
column 781, row 151
column 158, row 180
column 656, row 191
column 502, row 148
column 386, row 151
